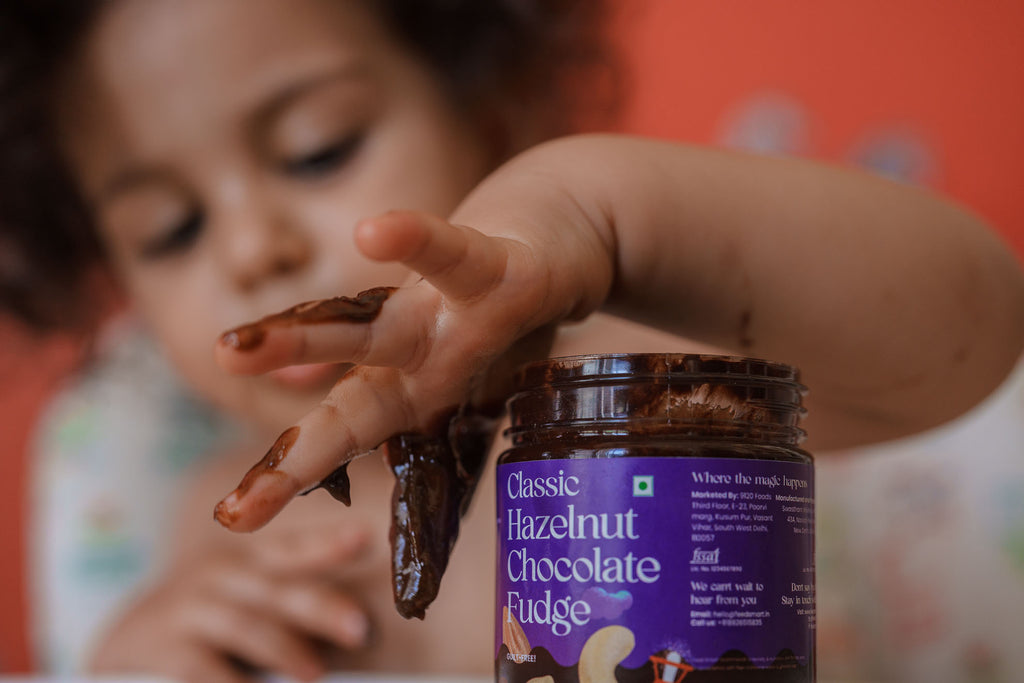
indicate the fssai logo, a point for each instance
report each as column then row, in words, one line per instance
column 704, row 556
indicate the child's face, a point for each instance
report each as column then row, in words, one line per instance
column 229, row 148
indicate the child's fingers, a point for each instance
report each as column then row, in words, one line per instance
column 199, row 665
column 461, row 262
column 393, row 336
column 312, row 606
column 310, row 551
column 364, row 408
column 253, row 638
column 324, row 611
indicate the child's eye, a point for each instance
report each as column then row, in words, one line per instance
column 178, row 239
column 324, row 160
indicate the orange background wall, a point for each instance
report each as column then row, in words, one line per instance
column 949, row 72
column 945, row 74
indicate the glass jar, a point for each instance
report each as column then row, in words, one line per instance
column 655, row 522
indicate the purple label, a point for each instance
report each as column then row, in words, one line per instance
column 698, row 558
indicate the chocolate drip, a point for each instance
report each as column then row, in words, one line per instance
column 425, row 505
column 435, row 476
column 338, row 485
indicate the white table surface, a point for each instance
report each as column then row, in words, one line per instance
column 334, row 678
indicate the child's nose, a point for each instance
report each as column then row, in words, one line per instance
column 257, row 246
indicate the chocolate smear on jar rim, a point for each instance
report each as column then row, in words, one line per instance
column 362, row 308
column 655, row 393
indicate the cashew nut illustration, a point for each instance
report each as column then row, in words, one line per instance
column 602, row 653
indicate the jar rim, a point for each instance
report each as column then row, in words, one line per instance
column 591, row 367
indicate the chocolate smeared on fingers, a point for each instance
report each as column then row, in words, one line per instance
column 361, row 308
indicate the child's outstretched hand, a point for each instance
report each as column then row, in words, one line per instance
column 901, row 310
column 431, row 368
column 482, row 305
column 271, row 607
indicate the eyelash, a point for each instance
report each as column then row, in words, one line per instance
column 176, row 240
column 325, row 160
column 317, row 164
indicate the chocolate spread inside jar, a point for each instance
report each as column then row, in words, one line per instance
column 655, row 523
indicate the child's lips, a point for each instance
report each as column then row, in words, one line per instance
column 311, row 376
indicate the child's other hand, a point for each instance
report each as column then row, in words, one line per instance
column 272, row 606
column 484, row 304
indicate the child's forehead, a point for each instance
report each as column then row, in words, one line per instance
column 168, row 54
column 156, row 78
column 197, row 43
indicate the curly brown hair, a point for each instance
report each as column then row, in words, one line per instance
column 539, row 56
